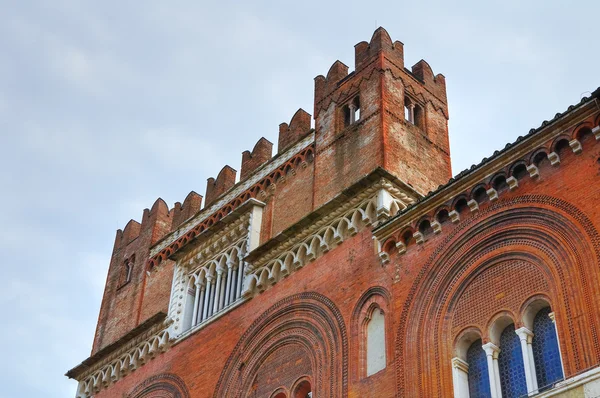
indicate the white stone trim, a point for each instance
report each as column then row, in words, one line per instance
column 554, row 158
column 526, row 338
column 491, row 352
column 119, row 365
column 367, row 208
column 400, row 200
column 460, row 378
column 573, row 382
column 575, row 145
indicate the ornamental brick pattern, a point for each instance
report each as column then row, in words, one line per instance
column 355, row 215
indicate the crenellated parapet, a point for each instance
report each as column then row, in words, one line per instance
column 261, row 154
column 216, row 187
column 191, row 205
column 290, row 133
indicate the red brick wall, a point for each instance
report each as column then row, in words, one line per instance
column 293, row 198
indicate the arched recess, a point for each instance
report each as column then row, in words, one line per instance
column 375, row 297
column 161, row 386
column 550, row 236
column 309, row 322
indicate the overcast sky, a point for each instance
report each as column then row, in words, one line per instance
column 107, row 105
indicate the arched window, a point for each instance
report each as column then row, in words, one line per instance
column 479, row 382
column 546, row 354
column 376, row 342
column 351, row 112
column 370, row 327
column 126, row 272
column 510, row 363
column 303, row 390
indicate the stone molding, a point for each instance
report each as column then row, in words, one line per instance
column 375, row 203
column 128, row 359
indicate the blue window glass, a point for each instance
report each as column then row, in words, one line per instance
column 546, row 355
column 510, row 362
column 479, row 381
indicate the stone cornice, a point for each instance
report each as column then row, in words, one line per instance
column 333, row 209
column 337, row 221
column 107, row 369
column 467, row 179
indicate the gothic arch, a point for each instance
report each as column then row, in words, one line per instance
column 550, row 236
column 161, row 386
column 311, row 322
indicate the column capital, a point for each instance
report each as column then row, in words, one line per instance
column 491, row 350
column 552, row 317
column 200, row 283
column 459, row 364
column 524, row 334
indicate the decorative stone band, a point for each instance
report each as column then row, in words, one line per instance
column 375, row 203
column 123, row 362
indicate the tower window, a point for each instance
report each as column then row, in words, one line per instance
column 413, row 112
column 351, row 112
column 126, row 272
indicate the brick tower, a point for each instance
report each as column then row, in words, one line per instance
column 380, row 115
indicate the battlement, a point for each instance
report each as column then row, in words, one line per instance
column 381, row 53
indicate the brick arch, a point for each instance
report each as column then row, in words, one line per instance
column 309, row 321
column 379, row 297
column 543, row 231
column 160, row 386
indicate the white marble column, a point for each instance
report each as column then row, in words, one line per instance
column 229, row 278
column 207, row 297
column 200, row 303
column 195, row 304
column 240, row 278
column 222, row 290
column 491, row 352
column 215, row 301
column 460, row 378
column 526, row 337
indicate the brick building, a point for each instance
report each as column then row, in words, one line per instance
column 351, row 264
